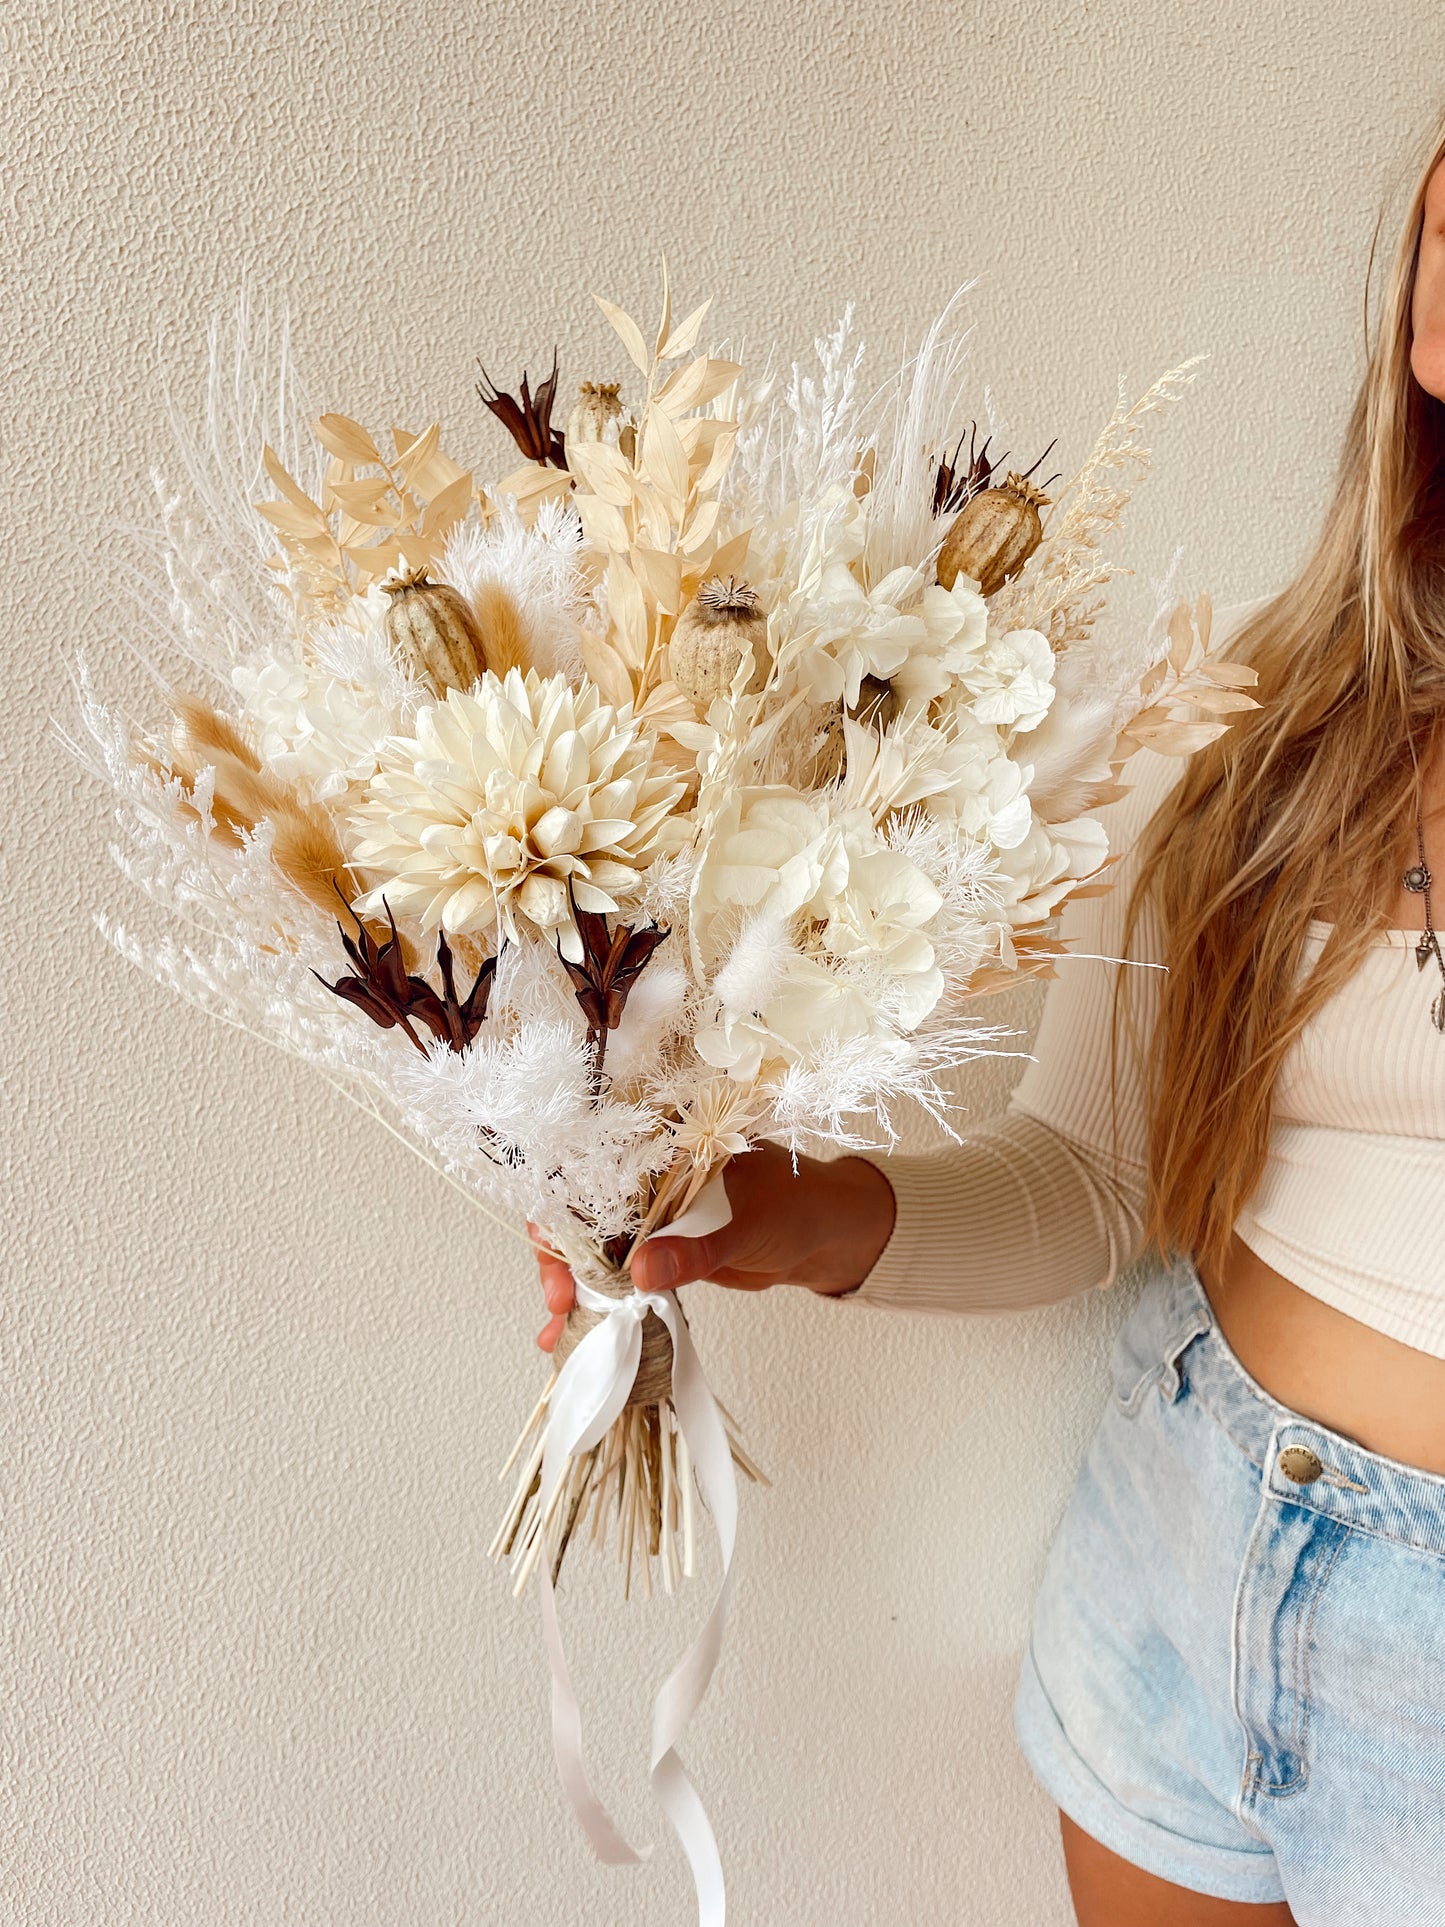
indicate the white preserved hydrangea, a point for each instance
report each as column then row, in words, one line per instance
column 857, row 632
column 800, row 1009
column 770, row 846
column 514, row 799
column 955, row 630
column 841, row 631
column 1040, row 870
column 882, row 910
column 822, row 893
column 988, row 798
column 1009, row 678
column 312, row 729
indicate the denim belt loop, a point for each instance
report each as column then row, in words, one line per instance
column 1190, row 1318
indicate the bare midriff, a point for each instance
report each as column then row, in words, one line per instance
column 1327, row 1366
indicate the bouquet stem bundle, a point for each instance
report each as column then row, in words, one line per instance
column 638, row 1479
column 637, row 1483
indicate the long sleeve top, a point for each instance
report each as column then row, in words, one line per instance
column 1047, row 1199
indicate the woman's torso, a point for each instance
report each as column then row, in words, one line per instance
column 1328, row 1366
column 1308, row 1353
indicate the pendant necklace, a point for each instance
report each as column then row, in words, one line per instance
column 1417, row 879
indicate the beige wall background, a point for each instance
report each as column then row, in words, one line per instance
column 259, row 1367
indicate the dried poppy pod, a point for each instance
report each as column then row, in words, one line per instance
column 431, row 627
column 597, row 414
column 723, row 623
column 993, row 535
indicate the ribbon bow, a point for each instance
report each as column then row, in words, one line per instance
column 590, row 1392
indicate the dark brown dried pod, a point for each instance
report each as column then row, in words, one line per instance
column 528, row 418
column 612, row 961
column 390, row 998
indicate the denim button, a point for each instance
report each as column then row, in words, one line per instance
column 1298, row 1463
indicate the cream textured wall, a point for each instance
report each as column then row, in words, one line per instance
column 258, row 1366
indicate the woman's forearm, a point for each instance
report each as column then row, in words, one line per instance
column 1017, row 1215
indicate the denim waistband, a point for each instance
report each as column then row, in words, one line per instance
column 1357, row 1487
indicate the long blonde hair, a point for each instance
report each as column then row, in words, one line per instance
column 1308, row 811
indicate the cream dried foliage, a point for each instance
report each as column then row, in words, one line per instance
column 514, row 800
column 365, row 525
column 1058, row 592
column 655, row 518
column 1192, row 674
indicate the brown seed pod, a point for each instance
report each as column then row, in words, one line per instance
column 596, row 414
column 723, row 623
column 993, row 535
column 431, row 627
column 877, row 703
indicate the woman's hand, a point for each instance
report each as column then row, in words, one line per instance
column 822, row 1226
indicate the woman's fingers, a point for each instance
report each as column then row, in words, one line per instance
column 558, row 1286
column 541, row 1244
column 770, row 1236
column 662, row 1263
column 749, row 1253
column 551, row 1332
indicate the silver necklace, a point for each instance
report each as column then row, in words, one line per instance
column 1417, row 879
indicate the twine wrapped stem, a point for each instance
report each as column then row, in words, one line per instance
column 653, row 1383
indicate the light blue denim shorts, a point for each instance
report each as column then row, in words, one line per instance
column 1236, row 1677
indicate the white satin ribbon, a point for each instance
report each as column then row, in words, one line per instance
column 590, row 1392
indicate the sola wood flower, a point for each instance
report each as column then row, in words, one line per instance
column 716, row 1122
column 519, row 798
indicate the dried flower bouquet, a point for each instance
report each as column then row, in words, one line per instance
column 683, row 788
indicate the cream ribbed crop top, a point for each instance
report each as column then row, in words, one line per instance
column 1048, row 1200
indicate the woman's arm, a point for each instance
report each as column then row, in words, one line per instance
column 1015, row 1216
column 1048, row 1199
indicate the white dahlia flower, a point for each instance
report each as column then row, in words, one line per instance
column 510, row 795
